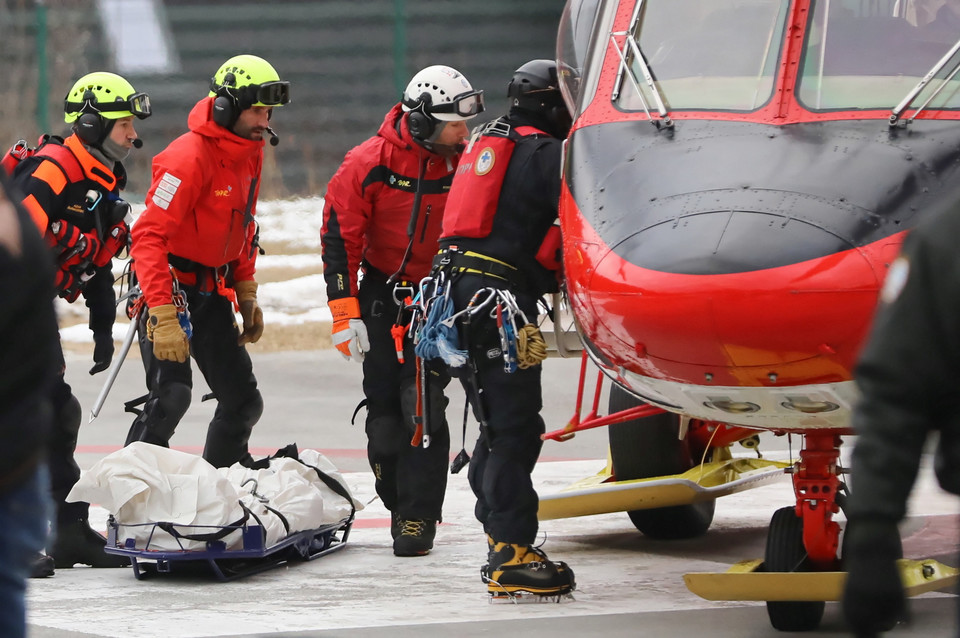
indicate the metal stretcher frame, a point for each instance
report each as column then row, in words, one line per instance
column 228, row 564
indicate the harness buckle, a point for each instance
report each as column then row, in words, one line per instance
column 402, row 291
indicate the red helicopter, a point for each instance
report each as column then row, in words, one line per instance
column 738, row 178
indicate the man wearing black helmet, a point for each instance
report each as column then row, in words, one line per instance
column 500, row 234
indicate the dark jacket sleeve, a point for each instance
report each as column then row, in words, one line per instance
column 346, row 214
column 907, row 374
column 101, row 300
column 28, row 341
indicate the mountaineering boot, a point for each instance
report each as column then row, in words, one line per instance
column 517, row 569
column 395, row 525
column 78, row 543
column 415, row 537
column 41, row 566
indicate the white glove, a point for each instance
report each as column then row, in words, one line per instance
column 351, row 338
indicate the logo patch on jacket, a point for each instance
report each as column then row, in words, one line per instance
column 485, row 161
column 165, row 190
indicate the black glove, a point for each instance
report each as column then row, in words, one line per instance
column 873, row 599
column 102, row 352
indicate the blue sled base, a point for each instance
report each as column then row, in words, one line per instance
column 226, row 564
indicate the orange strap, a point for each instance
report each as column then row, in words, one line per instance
column 229, row 293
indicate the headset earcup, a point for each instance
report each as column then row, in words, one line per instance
column 421, row 125
column 224, row 112
column 89, row 128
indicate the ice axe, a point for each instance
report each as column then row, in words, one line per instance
column 135, row 312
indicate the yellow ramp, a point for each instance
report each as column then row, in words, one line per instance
column 599, row 495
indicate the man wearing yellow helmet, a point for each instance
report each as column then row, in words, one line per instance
column 195, row 249
column 71, row 190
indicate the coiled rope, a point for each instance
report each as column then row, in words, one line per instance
column 531, row 346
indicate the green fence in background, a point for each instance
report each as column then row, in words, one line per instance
column 347, row 61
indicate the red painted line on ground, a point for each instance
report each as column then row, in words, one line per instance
column 198, row 449
column 369, row 523
column 267, row 451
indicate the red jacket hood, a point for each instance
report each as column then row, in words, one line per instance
column 201, row 122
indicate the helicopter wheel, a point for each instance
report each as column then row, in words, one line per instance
column 648, row 447
column 785, row 553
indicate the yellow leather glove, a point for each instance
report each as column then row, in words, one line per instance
column 250, row 311
column 163, row 329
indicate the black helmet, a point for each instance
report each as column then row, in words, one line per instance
column 536, row 88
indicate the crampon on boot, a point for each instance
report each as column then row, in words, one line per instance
column 514, row 571
column 77, row 542
column 414, row 536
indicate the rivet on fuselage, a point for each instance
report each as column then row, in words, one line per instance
column 773, row 377
column 708, row 376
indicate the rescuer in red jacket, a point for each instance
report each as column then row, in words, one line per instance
column 383, row 213
column 499, row 234
column 194, row 250
column 71, row 190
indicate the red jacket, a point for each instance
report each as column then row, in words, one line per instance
column 368, row 206
column 195, row 205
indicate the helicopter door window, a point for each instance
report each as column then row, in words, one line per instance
column 706, row 54
column 870, row 55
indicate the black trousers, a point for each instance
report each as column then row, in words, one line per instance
column 228, row 371
column 509, row 445
column 410, row 480
column 64, row 471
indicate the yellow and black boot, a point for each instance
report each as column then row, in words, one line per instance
column 518, row 569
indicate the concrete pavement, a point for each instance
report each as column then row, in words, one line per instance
column 628, row 585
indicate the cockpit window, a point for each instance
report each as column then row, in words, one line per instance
column 869, row 55
column 705, row 54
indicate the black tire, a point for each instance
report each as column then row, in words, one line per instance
column 786, row 553
column 648, row 447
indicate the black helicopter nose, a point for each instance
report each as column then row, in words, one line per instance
column 692, row 236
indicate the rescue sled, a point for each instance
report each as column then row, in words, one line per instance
column 253, row 556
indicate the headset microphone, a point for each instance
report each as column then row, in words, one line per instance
column 137, row 143
column 274, row 138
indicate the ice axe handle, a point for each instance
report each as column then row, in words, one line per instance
column 115, row 367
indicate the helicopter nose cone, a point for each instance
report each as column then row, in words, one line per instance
column 738, row 295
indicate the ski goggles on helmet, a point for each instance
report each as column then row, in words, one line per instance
column 267, row 94
column 273, row 93
column 464, row 105
column 137, row 104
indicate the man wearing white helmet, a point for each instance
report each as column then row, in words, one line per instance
column 383, row 213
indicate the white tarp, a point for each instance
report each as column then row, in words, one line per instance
column 142, row 484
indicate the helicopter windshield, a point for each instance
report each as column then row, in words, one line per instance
column 869, row 55
column 706, row 54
